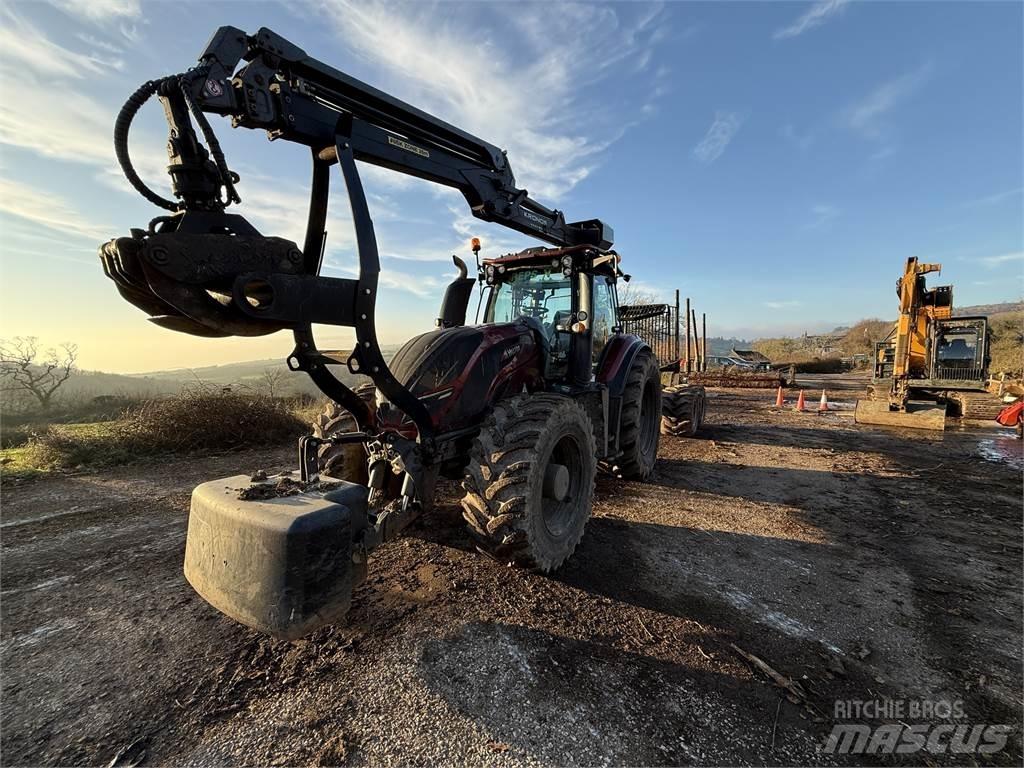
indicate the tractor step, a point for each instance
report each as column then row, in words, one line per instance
column 275, row 554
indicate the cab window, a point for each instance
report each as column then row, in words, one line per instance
column 603, row 305
column 543, row 294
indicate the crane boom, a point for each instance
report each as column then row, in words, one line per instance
column 298, row 98
column 204, row 271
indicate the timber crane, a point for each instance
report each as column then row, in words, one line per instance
column 524, row 406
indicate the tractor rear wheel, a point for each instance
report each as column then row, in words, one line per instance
column 530, row 480
column 641, row 419
column 347, row 461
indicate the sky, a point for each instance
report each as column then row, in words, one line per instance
column 774, row 161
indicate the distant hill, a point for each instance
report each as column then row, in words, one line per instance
column 989, row 309
column 247, row 373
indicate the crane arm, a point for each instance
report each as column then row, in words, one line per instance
column 204, row 271
column 297, row 98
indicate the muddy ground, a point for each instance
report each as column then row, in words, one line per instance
column 862, row 563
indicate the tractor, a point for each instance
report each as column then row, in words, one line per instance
column 525, row 406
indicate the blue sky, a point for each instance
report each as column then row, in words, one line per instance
column 776, row 161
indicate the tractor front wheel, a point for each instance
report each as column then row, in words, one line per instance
column 530, row 480
column 348, row 460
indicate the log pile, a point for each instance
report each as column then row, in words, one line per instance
column 734, row 378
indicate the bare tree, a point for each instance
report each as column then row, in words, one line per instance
column 630, row 296
column 271, row 381
column 25, row 368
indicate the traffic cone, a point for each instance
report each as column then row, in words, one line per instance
column 800, row 402
column 780, row 399
column 823, row 405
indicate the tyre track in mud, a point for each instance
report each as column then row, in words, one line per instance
column 782, row 534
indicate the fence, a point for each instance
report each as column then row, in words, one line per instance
column 658, row 325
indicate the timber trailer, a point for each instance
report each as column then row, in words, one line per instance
column 929, row 360
column 524, row 407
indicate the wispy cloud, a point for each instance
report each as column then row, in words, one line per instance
column 822, row 215
column 787, row 304
column 998, row 197
column 1003, row 258
column 100, row 10
column 55, row 121
column 801, row 141
column 722, row 131
column 815, row 16
column 866, row 116
column 23, row 43
column 48, row 210
column 444, row 62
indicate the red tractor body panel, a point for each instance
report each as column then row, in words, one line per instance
column 459, row 373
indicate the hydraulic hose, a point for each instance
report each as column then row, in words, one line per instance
column 122, row 126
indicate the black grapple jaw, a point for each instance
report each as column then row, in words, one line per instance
column 203, row 283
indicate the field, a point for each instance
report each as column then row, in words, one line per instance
column 860, row 563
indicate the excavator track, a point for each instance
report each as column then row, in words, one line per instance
column 977, row 406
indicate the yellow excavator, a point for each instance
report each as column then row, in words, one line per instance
column 929, row 361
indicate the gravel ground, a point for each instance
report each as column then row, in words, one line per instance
column 861, row 563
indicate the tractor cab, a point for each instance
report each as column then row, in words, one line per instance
column 568, row 294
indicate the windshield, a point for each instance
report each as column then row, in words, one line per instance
column 543, row 294
column 958, row 346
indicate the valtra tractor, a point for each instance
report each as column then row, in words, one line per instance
column 525, row 406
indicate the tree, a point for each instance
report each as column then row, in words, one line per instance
column 861, row 338
column 271, row 381
column 630, row 296
column 25, row 369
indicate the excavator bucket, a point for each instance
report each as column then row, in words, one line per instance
column 919, row 415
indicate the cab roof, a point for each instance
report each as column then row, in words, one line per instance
column 583, row 257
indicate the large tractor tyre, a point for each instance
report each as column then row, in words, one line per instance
column 347, row 461
column 530, row 480
column 682, row 412
column 640, row 420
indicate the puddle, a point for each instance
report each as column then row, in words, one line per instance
column 1002, row 449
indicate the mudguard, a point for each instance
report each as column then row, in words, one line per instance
column 616, row 359
column 612, row 369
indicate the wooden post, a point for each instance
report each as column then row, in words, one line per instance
column 704, row 341
column 676, row 349
column 688, row 359
column 696, row 340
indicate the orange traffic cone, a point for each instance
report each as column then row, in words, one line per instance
column 823, row 405
column 800, row 402
column 780, row 399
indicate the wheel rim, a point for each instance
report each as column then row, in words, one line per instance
column 648, row 422
column 558, row 515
